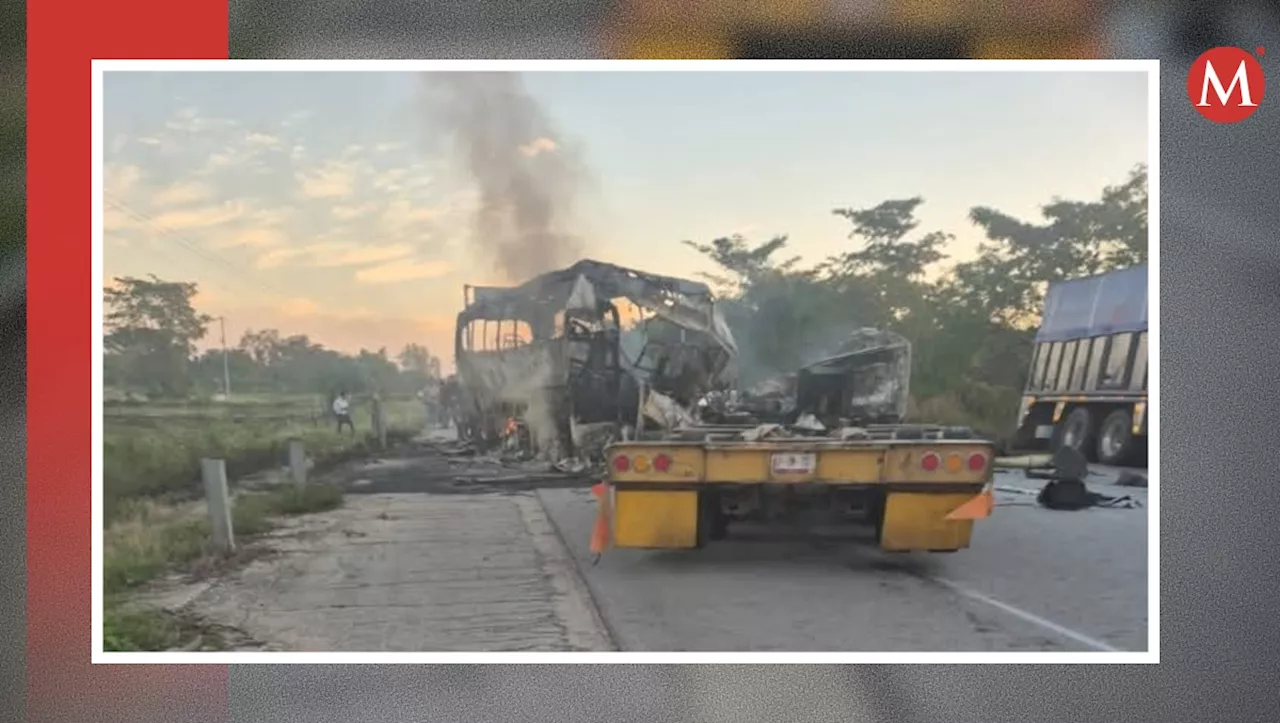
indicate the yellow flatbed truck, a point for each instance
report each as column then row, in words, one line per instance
column 920, row 494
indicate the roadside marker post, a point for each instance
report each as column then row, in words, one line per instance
column 214, row 474
column 297, row 461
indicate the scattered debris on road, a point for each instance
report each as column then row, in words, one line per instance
column 1066, row 490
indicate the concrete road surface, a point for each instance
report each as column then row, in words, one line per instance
column 436, row 552
column 1034, row 579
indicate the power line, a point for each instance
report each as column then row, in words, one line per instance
column 242, row 275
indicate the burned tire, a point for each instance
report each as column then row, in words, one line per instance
column 1116, row 444
column 1077, row 431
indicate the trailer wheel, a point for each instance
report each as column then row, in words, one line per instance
column 1115, row 438
column 1076, row 431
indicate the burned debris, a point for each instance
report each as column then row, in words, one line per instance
column 864, row 381
column 574, row 359
column 560, row 364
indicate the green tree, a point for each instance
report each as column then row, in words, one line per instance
column 971, row 325
column 151, row 332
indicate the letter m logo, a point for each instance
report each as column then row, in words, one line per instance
column 1233, row 100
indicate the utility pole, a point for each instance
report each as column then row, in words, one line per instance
column 226, row 369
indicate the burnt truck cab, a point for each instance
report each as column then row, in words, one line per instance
column 845, row 457
column 1087, row 385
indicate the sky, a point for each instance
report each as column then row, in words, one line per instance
column 335, row 205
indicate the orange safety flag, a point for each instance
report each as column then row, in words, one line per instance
column 977, row 508
column 600, row 533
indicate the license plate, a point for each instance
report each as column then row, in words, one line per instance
column 794, row 462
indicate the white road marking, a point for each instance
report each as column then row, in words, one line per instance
column 1024, row 615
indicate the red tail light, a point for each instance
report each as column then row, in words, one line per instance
column 662, row 463
column 929, row 462
column 621, row 463
column 977, row 462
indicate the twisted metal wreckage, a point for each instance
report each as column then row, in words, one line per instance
column 562, row 365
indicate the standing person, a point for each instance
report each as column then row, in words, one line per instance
column 342, row 410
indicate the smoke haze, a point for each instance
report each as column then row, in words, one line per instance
column 526, row 179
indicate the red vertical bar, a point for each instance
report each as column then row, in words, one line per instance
column 63, row 38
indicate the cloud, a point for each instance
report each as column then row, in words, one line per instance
column 262, row 140
column 322, row 255
column 538, row 146
column 119, row 179
column 114, row 219
column 391, row 180
column 331, row 180
column 182, row 193
column 404, row 178
column 272, row 216
column 402, row 216
column 219, row 160
column 204, row 297
column 275, row 258
column 394, row 272
column 256, row 237
column 189, row 121
column 361, row 255
column 240, row 151
column 296, row 118
column 199, row 218
column 299, row 307
column 348, row 213
column 387, row 147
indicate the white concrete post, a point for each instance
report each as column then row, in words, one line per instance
column 297, row 461
column 214, row 474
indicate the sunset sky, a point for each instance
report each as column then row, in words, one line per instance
column 325, row 203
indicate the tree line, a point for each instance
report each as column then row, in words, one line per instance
column 150, row 347
column 971, row 322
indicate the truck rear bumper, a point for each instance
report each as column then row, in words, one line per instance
column 911, row 517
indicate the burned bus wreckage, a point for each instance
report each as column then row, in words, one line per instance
column 574, row 359
column 567, row 357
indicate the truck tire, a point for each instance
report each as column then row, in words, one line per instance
column 1077, row 431
column 1116, row 445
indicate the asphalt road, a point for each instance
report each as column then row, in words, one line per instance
column 433, row 552
column 1033, row 579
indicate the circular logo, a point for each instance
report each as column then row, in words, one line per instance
column 1226, row 84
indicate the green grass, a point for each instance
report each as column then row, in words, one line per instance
column 150, row 538
column 130, row 630
column 154, row 450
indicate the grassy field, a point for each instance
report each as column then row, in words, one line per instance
column 153, row 450
column 154, row 515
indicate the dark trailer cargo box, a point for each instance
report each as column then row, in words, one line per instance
column 1095, row 306
column 1087, row 386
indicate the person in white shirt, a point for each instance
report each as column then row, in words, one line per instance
column 342, row 411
